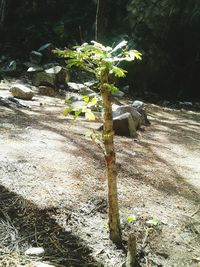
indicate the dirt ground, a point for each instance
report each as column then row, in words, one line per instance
column 53, row 188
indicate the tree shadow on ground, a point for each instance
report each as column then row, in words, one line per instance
column 34, row 227
column 43, row 121
column 175, row 132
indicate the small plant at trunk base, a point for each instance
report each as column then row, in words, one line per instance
column 103, row 61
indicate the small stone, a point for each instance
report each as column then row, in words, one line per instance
column 76, row 86
column 34, row 69
column 39, row 251
column 41, row 264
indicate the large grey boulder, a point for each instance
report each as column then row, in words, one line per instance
column 140, row 107
column 53, row 76
column 42, row 78
column 21, row 91
column 136, row 116
column 124, row 125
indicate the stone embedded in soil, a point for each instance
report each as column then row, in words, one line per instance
column 121, row 110
column 47, row 90
column 21, row 91
column 52, row 76
column 39, row 251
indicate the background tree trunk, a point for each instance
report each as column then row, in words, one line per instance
column 108, row 134
column 101, row 20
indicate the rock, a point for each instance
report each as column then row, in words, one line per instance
column 41, row 264
column 47, row 90
column 35, row 57
column 53, row 76
column 21, row 91
column 11, row 102
column 61, row 74
column 35, row 251
column 125, row 89
column 118, row 94
column 76, row 86
column 128, row 109
column 10, row 67
column 42, row 78
column 91, row 83
column 46, row 50
column 124, row 125
column 74, row 98
column 49, row 65
column 86, row 91
column 140, row 107
column 34, row 69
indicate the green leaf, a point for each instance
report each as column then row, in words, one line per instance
column 89, row 115
column 132, row 54
column 94, row 100
column 131, row 219
column 111, row 87
column 77, row 113
column 119, row 72
column 86, row 99
column 67, row 111
column 106, row 226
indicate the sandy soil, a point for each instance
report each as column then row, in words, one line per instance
column 49, row 163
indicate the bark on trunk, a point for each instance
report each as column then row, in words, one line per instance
column 132, row 251
column 108, row 134
column 101, row 20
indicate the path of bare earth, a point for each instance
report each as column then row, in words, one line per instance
column 49, row 162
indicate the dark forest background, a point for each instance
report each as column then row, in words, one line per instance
column 167, row 32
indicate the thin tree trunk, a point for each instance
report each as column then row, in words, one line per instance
column 101, row 20
column 132, row 251
column 108, row 134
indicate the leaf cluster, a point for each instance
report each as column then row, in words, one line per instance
column 97, row 58
column 85, row 107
